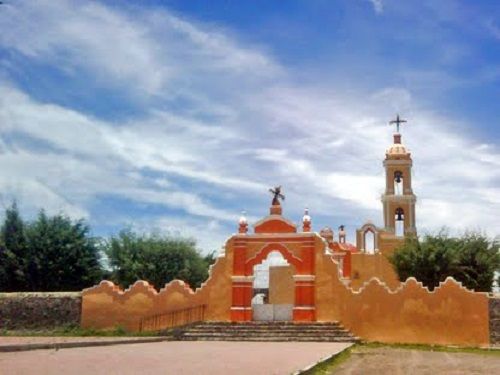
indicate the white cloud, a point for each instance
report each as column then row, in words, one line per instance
column 245, row 125
column 378, row 6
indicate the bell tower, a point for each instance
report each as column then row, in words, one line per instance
column 398, row 200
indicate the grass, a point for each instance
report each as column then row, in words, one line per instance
column 327, row 367
column 433, row 348
column 75, row 331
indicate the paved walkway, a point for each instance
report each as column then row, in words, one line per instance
column 174, row 357
column 15, row 344
column 368, row 361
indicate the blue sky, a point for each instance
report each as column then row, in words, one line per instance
column 176, row 115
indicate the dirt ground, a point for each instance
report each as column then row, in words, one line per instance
column 384, row 360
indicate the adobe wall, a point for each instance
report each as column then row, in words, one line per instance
column 450, row 315
column 106, row 306
column 281, row 285
column 39, row 310
column 364, row 267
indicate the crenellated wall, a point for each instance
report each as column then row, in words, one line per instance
column 364, row 267
column 449, row 315
column 106, row 306
column 407, row 313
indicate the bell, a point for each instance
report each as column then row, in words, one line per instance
column 399, row 213
column 398, row 176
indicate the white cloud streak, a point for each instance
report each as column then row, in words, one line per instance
column 244, row 125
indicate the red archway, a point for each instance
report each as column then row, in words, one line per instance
column 264, row 252
column 273, row 233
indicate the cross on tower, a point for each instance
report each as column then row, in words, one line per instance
column 398, row 122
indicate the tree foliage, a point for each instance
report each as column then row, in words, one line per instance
column 49, row 254
column 12, row 251
column 471, row 259
column 156, row 259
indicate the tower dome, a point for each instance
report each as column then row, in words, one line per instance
column 397, row 149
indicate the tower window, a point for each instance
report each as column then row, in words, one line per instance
column 398, row 183
column 369, row 241
column 399, row 222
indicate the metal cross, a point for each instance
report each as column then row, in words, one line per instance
column 398, row 122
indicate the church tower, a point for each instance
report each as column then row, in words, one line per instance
column 398, row 200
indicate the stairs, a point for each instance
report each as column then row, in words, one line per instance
column 265, row 331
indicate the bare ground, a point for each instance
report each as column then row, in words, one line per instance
column 386, row 360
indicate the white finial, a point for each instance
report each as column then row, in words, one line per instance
column 306, row 217
column 243, row 219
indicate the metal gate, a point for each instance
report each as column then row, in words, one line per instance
column 269, row 312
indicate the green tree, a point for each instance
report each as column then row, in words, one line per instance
column 13, row 251
column 63, row 255
column 478, row 259
column 156, row 259
column 471, row 259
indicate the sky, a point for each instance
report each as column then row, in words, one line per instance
column 174, row 116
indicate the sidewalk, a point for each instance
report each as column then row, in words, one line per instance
column 16, row 344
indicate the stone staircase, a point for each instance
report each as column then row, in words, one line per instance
column 265, row 331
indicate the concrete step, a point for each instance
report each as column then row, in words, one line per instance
column 266, row 331
column 270, row 334
column 272, row 328
column 273, row 331
column 271, row 339
column 270, row 324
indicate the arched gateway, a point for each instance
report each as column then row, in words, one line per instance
column 271, row 234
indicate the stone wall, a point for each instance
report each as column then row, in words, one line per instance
column 39, row 310
column 494, row 310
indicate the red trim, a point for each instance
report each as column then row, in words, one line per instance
column 264, row 252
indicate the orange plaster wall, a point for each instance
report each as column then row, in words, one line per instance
column 364, row 267
column 281, row 285
column 450, row 315
column 106, row 306
column 409, row 314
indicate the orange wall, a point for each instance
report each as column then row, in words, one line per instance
column 450, row 315
column 366, row 266
column 281, row 285
column 106, row 306
column 410, row 313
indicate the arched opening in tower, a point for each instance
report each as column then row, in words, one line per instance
column 369, row 241
column 399, row 222
column 398, row 183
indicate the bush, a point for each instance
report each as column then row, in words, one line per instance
column 156, row 259
column 471, row 259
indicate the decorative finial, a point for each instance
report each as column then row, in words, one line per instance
column 342, row 234
column 398, row 121
column 243, row 223
column 306, row 221
column 277, row 195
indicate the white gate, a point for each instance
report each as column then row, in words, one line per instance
column 268, row 312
